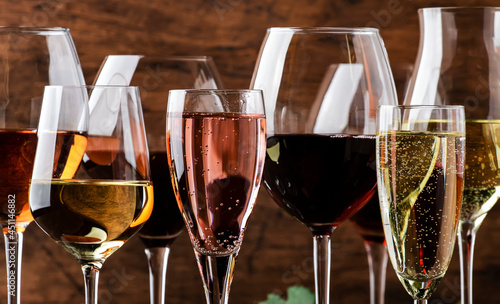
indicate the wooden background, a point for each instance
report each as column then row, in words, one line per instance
column 277, row 250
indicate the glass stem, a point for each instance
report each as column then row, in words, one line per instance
column 377, row 264
column 467, row 238
column 424, row 301
column 157, row 263
column 322, row 263
column 13, row 251
column 91, row 276
column 217, row 275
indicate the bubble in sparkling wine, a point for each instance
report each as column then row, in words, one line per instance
column 222, row 171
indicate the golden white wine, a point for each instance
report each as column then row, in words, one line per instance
column 420, row 184
column 482, row 169
column 91, row 218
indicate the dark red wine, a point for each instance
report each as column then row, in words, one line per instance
column 321, row 180
column 165, row 223
column 217, row 160
column 368, row 221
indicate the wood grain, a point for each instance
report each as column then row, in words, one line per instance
column 277, row 250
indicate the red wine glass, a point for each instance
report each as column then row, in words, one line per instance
column 30, row 58
column 216, row 142
column 368, row 223
column 155, row 76
column 321, row 89
column 91, row 189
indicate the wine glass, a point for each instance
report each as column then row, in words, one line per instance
column 30, row 58
column 368, row 220
column 91, row 189
column 216, row 148
column 321, row 89
column 155, row 76
column 458, row 63
column 420, row 173
column 368, row 223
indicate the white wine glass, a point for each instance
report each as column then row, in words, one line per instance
column 155, row 76
column 91, row 189
column 216, row 142
column 420, row 173
column 458, row 63
column 30, row 58
column 321, row 88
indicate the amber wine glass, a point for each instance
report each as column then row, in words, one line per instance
column 30, row 58
column 216, row 142
column 420, row 172
column 321, row 89
column 91, row 189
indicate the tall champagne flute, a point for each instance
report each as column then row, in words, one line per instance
column 458, row 63
column 155, row 76
column 321, row 89
column 30, row 58
column 368, row 223
column 91, row 189
column 216, row 148
column 420, row 171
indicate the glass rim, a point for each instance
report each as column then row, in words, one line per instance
column 215, row 91
column 33, row 30
column 457, row 8
column 174, row 57
column 91, row 86
column 421, row 107
column 325, row 30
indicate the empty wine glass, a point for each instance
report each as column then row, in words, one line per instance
column 458, row 63
column 155, row 76
column 420, row 171
column 30, row 58
column 91, row 189
column 216, row 147
column 321, row 89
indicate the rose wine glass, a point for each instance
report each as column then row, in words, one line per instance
column 368, row 223
column 458, row 63
column 321, row 89
column 91, row 189
column 216, row 147
column 155, row 76
column 420, row 172
column 30, row 58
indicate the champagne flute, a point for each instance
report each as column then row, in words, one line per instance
column 216, row 148
column 420, row 173
column 368, row 223
column 91, row 189
column 30, row 58
column 155, row 76
column 321, row 89
column 458, row 63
